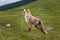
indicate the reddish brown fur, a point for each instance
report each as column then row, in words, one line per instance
column 34, row 21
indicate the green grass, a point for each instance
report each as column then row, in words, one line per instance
column 47, row 10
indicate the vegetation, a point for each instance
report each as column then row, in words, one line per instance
column 47, row 10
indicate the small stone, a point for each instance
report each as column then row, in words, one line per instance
column 8, row 25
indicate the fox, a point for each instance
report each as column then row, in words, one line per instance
column 31, row 20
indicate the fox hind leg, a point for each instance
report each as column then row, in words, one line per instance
column 42, row 29
column 36, row 26
column 40, row 25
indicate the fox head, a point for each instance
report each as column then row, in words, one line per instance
column 26, row 11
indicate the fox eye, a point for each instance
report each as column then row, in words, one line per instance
column 27, row 11
column 24, row 12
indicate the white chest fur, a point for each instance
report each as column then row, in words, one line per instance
column 27, row 18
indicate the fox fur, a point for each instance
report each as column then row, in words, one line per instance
column 31, row 20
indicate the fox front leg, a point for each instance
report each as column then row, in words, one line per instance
column 29, row 27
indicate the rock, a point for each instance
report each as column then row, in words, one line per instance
column 8, row 25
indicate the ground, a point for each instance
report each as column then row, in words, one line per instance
column 46, row 10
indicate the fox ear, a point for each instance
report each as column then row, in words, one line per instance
column 24, row 9
column 28, row 10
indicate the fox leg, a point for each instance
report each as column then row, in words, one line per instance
column 41, row 27
column 36, row 26
column 29, row 27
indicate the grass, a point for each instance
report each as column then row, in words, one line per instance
column 47, row 10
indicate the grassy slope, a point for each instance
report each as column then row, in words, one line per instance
column 48, row 11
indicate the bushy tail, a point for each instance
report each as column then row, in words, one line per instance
column 48, row 28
